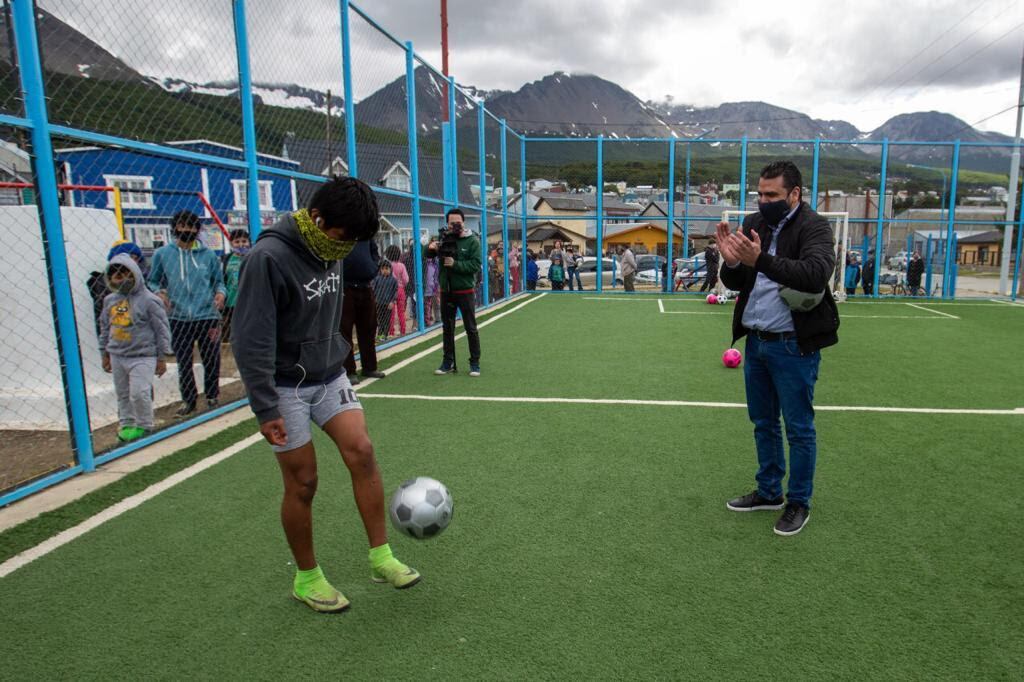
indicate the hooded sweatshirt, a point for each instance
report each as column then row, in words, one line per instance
column 191, row 277
column 285, row 330
column 134, row 325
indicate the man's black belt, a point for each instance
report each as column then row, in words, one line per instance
column 772, row 336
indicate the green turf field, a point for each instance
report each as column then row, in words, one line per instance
column 591, row 540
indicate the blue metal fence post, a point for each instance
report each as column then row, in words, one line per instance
column 522, row 191
column 881, row 213
column 1020, row 245
column 414, row 180
column 599, row 230
column 346, row 74
column 814, row 176
column 252, row 184
column 503, row 150
column 948, row 289
column 671, row 212
column 743, row 175
column 485, row 289
column 33, row 91
column 452, row 141
column 446, row 163
column 686, row 207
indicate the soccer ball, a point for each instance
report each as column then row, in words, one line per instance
column 723, row 299
column 712, row 299
column 421, row 507
column 732, row 358
column 801, row 301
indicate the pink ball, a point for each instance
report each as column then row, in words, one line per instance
column 712, row 299
column 732, row 358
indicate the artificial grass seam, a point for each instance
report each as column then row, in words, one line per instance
column 26, row 535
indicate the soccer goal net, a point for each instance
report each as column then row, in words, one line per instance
column 840, row 222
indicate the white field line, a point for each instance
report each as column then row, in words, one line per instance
column 893, row 317
column 1013, row 303
column 929, row 310
column 661, row 306
column 439, row 346
column 681, row 403
column 129, row 503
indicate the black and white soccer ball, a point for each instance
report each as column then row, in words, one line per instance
column 422, row 507
column 801, row 301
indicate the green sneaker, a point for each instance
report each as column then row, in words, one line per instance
column 323, row 598
column 396, row 573
column 130, row 433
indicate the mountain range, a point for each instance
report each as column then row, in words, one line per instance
column 558, row 104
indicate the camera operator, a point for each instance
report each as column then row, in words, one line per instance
column 458, row 253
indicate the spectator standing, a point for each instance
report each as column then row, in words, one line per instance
column 867, row 280
column 240, row 244
column 401, row 275
column 189, row 278
column 915, row 268
column 358, row 311
column 385, row 295
column 627, row 262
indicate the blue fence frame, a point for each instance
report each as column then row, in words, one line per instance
column 36, row 123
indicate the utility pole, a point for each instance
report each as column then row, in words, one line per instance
column 1011, row 195
column 444, row 59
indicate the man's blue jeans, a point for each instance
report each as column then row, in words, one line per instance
column 781, row 379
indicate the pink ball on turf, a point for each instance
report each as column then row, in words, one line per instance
column 732, row 358
column 712, row 299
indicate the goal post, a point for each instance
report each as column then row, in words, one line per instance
column 840, row 221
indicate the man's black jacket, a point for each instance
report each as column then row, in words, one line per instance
column 804, row 260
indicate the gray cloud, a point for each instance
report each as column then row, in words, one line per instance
column 798, row 56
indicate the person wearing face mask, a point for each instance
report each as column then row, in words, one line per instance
column 291, row 355
column 189, row 278
column 459, row 261
column 134, row 338
column 239, row 240
column 785, row 244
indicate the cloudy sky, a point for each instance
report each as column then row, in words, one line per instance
column 863, row 61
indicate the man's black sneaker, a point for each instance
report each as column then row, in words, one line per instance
column 754, row 502
column 353, row 379
column 185, row 410
column 445, row 368
column 792, row 520
column 375, row 374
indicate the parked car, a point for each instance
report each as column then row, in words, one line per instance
column 899, row 261
column 690, row 271
column 650, row 269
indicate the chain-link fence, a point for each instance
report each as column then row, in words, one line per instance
column 124, row 122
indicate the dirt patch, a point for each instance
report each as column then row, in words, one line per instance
column 29, row 455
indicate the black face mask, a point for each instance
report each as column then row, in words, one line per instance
column 187, row 236
column 773, row 211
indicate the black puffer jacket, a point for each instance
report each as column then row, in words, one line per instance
column 804, row 260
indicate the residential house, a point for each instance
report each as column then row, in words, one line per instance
column 154, row 188
column 385, row 165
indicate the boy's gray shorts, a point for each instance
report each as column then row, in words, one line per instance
column 312, row 402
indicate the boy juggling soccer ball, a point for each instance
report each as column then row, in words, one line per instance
column 290, row 354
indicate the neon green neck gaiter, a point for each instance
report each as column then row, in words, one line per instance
column 319, row 243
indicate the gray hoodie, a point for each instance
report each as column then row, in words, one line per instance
column 286, row 328
column 134, row 325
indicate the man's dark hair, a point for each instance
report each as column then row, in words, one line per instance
column 349, row 203
column 237, row 234
column 186, row 218
column 393, row 253
column 791, row 176
column 456, row 211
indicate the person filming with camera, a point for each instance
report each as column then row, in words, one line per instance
column 458, row 254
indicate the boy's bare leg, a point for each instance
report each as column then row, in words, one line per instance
column 348, row 431
column 298, row 470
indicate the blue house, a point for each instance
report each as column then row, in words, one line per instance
column 155, row 188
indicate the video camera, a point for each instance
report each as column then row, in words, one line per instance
column 447, row 242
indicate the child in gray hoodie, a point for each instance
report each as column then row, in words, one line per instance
column 134, row 337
